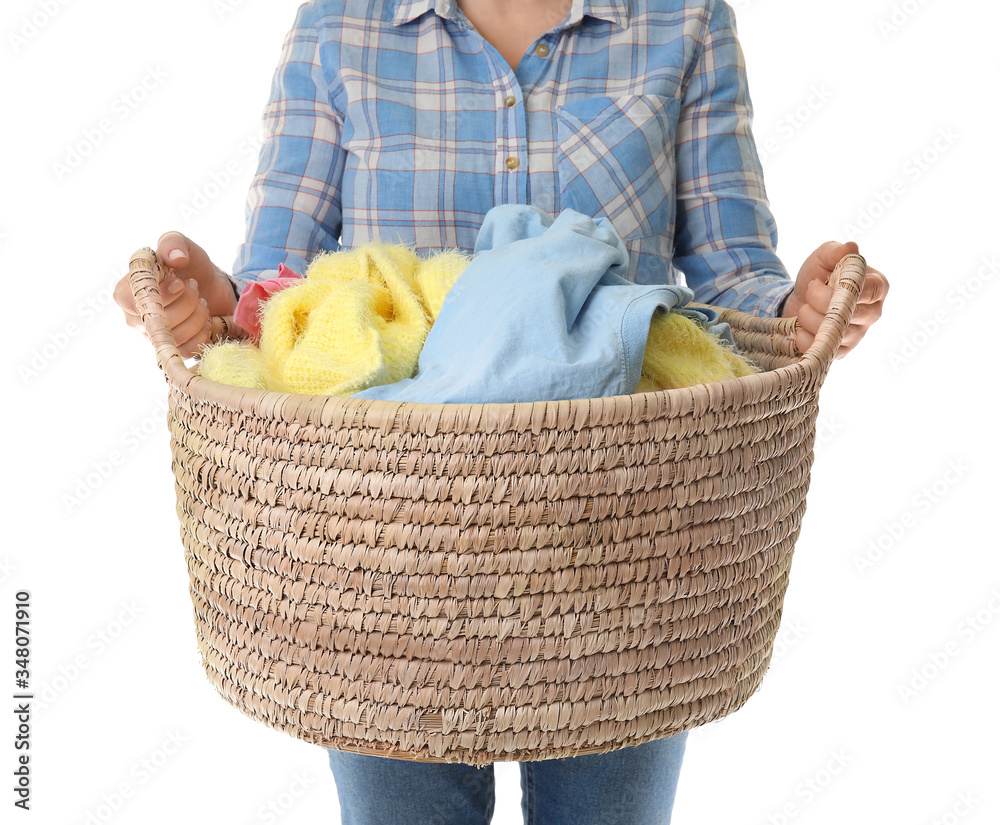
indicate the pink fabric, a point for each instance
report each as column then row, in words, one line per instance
column 256, row 293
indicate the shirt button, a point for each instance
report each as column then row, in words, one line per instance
column 542, row 50
column 512, row 162
column 509, row 101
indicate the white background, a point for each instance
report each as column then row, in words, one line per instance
column 896, row 570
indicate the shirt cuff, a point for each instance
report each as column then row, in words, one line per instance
column 772, row 300
column 763, row 296
column 240, row 281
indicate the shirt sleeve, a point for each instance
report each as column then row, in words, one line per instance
column 725, row 234
column 293, row 208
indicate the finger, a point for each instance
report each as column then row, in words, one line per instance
column 192, row 324
column 818, row 296
column 818, row 299
column 183, row 307
column 174, row 249
column 810, row 318
column 853, row 335
column 183, row 256
column 830, row 253
column 875, row 289
column 866, row 314
column 803, row 339
column 178, row 289
column 190, row 347
column 123, row 297
column 850, row 341
column 135, row 322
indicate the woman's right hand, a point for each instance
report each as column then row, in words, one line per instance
column 197, row 290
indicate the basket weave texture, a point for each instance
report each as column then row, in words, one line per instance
column 492, row 582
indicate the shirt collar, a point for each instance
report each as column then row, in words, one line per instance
column 614, row 11
column 408, row 10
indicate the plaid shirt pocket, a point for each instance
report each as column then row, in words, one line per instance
column 615, row 158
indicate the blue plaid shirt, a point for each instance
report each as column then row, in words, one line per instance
column 395, row 120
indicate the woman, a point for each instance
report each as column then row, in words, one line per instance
column 407, row 120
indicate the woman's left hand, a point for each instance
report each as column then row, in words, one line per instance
column 810, row 298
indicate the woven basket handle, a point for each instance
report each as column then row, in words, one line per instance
column 847, row 278
column 145, row 272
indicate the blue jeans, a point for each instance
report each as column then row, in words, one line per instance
column 629, row 786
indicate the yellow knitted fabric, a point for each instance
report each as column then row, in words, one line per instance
column 679, row 353
column 436, row 276
column 360, row 317
column 237, row 363
column 356, row 320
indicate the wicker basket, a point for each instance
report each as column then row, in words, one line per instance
column 488, row 582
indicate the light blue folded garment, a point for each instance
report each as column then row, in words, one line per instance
column 542, row 312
